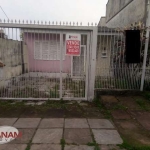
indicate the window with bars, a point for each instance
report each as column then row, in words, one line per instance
column 48, row 50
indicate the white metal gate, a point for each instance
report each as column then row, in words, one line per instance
column 112, row 72
column 35, row 65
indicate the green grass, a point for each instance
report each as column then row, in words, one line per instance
column 128, row 146
column 143, row 104
column 98, row 85
column 29, row 145
column 55, row 104
column 146, row 95
column 91, row 144
column 96, row 146
column 76, row 87
column 119, row 107
column 54, row 92
column 101, row 107
column 63, row 143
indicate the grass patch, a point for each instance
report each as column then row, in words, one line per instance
column 29, row 145
column 119, row 107
column 128, row 146
column 101, row 107
column 98, row 104
column 77, row 87
column 143, row 105
column 146, row 95
column 63, row 143
column 96, row 146
column 90, row 144
column 55, row 104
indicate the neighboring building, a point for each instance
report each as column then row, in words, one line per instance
column 122, row 13
column 13, row 60
column 102, row 22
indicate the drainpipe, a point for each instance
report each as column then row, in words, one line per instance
column 146, row 45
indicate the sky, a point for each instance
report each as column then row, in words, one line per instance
column 54, row 10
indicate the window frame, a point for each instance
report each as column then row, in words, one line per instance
column 41, row 51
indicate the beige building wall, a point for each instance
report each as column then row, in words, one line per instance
column 11, row 56
column 121, row 13
column 103, row 62
column 102, row 22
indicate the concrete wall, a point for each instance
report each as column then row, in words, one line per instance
column 12, row 56
column 103, row 63
column 102, row 22
column 121, row 13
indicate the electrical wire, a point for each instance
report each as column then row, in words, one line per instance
column 4, row 12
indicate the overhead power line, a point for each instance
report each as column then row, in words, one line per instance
column 4, row 12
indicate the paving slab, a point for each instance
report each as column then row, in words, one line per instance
column 83, row 104
column 129, row 102
column 52, row 123
column 81, row 147
column 100, row 123
column 127, row 124
column 48, row 136
column 27, row 135
column 104, row 147
column 7, row 121
column 142, row 117
column 77, row 136
column 76, row 123
column 45, row 147
column 27, row 123
column 40, row 103
column 114, row 147
column 120, row 114
column 13, row 147
column 30, row 103
column 110, row 147
column 107, row 136
column 136, row 134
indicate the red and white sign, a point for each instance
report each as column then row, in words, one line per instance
column 73, row 44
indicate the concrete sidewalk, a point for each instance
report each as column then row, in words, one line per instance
column 46, row 134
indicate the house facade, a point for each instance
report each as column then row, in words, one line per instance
column 45, row 51
column 122, row 13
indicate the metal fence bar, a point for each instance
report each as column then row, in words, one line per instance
column 61, row 63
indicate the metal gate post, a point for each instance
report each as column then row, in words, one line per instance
column 92, row 65
column 146, row 46
column 61, row 52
